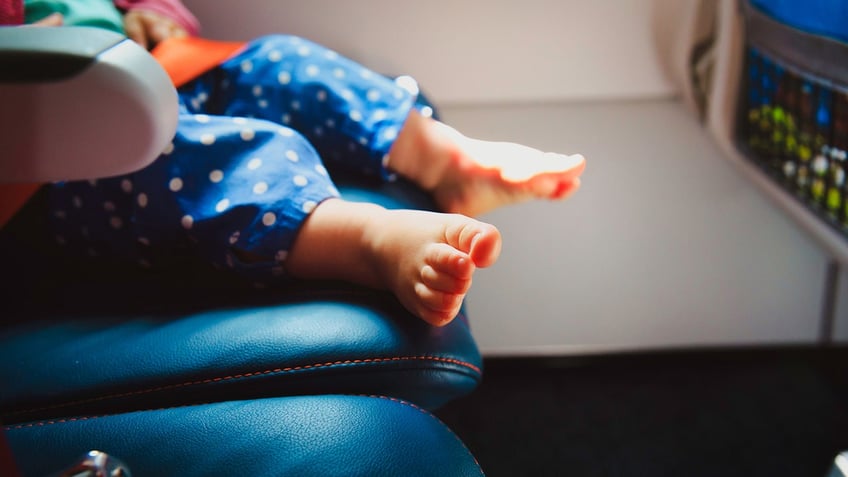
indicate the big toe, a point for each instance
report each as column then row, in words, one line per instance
column 481, row 241
column 486, row 246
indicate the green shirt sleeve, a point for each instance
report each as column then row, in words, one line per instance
column 94, row 13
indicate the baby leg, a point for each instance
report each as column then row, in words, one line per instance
column 426, row 259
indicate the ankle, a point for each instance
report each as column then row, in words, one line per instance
column 420, row 152
column 333, row 242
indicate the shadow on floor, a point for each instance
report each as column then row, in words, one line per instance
column 764, row 412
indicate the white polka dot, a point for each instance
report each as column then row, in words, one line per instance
column 262, row 103
column 92, row 182
column 355, row 115
column 187, row 221
column 331, row 55
column 385, row 161
column 234, row 237
column 246, row 66
column 320, row 169
column 347, row 94
column 390, row 134
column 176, row 184
column 373, row 95
column 379, row 115
column 109, row 206
column 269, row 218
column 312, row 70
column 260, row 188
column 254, row 164
column 202, row 96
column 363, row 141
column 285, row 132
column 144, row 241
column 281, row 255
column 207, row 139
column 284, row 77
column 309, row 206
column 201, row 118
column 61, row 214
column 222, row 205
column 304, row 51
column 295, row 105
column 365, row 74
column 319, row 131
column 240, row 120
column 321, row 95
column 300, row 180
column 247, row 134
column 168, row 149
column 275, row 55
column 292, row 156
column 116, row 222
column 77, row 202
column 427, row 112
column 142, row 200
column 216, row 176
column 257, row 90
column 286, row 119
column 330, row 123
column 407, row 83
column 339, row 73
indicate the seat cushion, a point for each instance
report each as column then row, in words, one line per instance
column 303, row 436
column 119, row 343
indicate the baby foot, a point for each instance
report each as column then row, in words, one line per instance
column 428, row 259
column 471, row 176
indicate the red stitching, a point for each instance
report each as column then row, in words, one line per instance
column 50, row 423
column 252, row 374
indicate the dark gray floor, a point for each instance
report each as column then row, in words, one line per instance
column 774, row 412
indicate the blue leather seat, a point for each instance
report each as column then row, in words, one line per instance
column 187, row 373
column 291, row 436
column 88, row 367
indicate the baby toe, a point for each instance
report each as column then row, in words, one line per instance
column 444, row 282
column 438, row 301
column 445, row 259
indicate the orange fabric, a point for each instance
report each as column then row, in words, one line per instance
column 12, row 198
column 182, row 58
column 187, row 58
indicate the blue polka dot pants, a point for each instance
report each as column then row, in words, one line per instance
column 246, row 166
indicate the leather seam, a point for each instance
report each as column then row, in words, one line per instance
column 433, row 417
column 267, row 372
